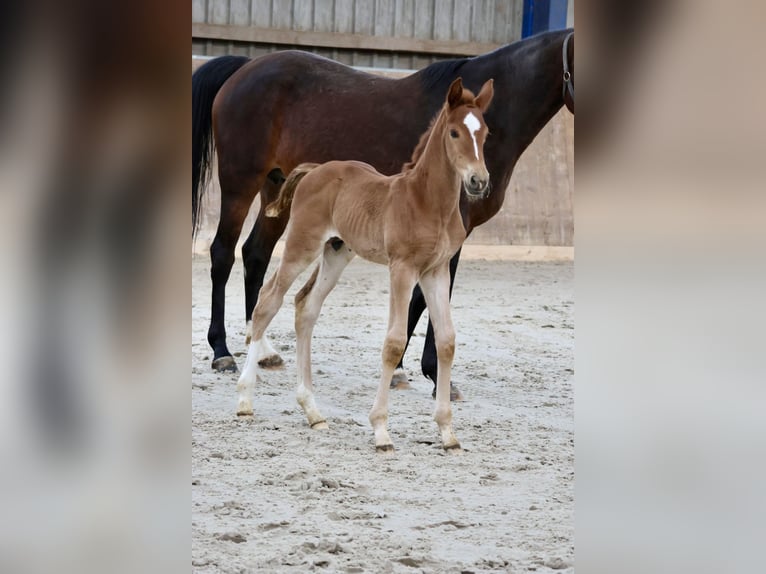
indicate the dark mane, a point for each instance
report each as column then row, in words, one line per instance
column 435, row 73
column 466, row 99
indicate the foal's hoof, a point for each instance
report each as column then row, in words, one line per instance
column 270, row 362
column 454, row 394
column 244, row 409
column 453, row 449
column 384, row 448
column 320, row 425
column 227, row 363
column 399, row 380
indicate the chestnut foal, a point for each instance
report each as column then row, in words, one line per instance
column 410, row 221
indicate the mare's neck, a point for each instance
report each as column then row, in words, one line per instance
column 528, row 91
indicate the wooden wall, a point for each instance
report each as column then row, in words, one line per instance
column 406, row 34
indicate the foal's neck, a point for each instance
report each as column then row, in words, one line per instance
column 436, row 181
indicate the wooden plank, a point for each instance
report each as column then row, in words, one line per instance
column 239, row 12
column 260, row 13
column 198, row 10
column 461, row 21
column 344, row 16
column 282, row 15
column 364, row 21
column 324, row 15
column 199, row 47
column 218, row 12
column 385, row 11
column 341, row 41
column 404, row 19
column 424, row 14
column 518, row 18
column 404, row 27
column 481, row 20
column 303, row 15
column 364, row 16
column 442, row 29
column 503, row 22
column 384, row 26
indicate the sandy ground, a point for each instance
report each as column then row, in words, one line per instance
column 271, row 495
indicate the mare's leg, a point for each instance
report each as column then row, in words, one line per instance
column 236, row 196
column 403, row 279
column 294, row 261
column 308, row 304
column 257, row 250
column 400, row 380
column 435, row 286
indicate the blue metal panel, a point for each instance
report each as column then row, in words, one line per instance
column 542, row 15
column 557, row 14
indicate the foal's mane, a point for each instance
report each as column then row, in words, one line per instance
column 466, row 99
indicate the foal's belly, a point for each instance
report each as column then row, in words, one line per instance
column 368, row 250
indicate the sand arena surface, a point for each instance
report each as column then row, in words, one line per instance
column 271, row 495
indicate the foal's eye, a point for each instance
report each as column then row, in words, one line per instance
column 453, row 133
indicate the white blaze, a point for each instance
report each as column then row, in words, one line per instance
column 473, row 124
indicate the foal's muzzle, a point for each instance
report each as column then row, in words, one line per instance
column 476, row 186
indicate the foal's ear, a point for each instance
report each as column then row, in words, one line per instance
column 455, row 93
column 485, row 95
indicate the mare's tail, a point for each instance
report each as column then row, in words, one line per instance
column 206, row 82
column 285, row 198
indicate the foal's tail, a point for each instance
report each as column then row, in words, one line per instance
column 206, row 82
column 285, row 198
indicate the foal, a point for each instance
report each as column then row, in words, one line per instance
column 410, row 222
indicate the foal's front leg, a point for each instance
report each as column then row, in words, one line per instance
column 435, row 288
column 429, row 360
column 403, row 279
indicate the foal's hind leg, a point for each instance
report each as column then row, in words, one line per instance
column 308, row 304
column 403, row 279
column 272, row 295
column 435, row 286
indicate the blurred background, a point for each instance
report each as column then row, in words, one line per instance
column 394, row 38
column 95, row 296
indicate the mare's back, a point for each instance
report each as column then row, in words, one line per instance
column 320, row 110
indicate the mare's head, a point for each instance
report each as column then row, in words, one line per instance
column 465, row 133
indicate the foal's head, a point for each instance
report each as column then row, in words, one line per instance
column 464, row 135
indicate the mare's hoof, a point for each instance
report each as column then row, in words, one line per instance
column 453, row 449
column 384, row 448
column 270, row 362
column 399, row 380
column 320, row 425
column 227, row 363
column 454, row 394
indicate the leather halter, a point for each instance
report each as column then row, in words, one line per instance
column 568, row 86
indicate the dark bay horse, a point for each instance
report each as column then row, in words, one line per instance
column 410, row 222
column 273, row 113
